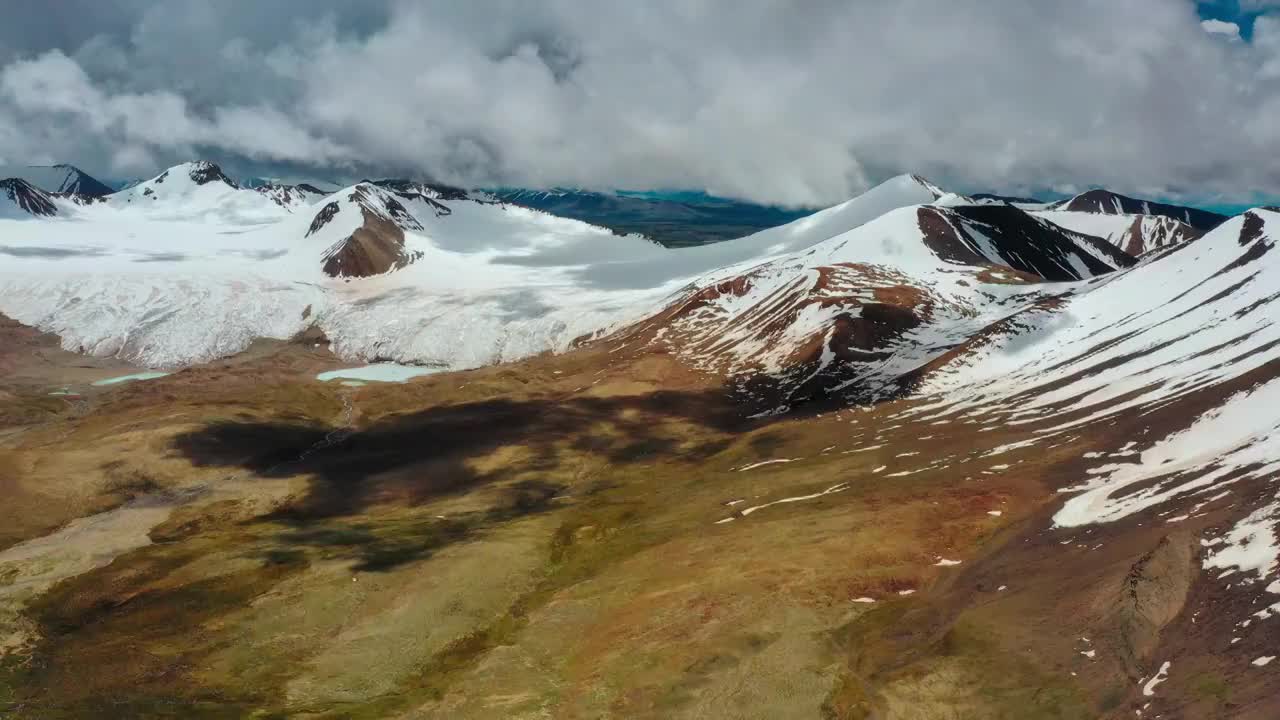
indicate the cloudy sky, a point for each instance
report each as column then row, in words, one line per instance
column 774, row 101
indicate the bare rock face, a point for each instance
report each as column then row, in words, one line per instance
column 1151, row 596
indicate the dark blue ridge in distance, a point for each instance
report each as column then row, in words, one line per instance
column 672, row 218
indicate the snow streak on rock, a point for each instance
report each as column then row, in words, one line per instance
column 291, row 197
column 20, row 199
column 1134, row 234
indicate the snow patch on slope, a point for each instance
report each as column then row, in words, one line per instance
column 1224, row 445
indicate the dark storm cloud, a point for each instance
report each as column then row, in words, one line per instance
column 768, row 100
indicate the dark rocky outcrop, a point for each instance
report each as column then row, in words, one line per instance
column 322, row 218
column 204, row 172
column 1018, row 240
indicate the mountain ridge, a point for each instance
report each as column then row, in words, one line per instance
column 1108, row 202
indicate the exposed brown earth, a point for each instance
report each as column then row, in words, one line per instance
column 377, row 246
column 549, row 539
column 374, row 248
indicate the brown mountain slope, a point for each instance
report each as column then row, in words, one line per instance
column 377, row 245
column 598, row 534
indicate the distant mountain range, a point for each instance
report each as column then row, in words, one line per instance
column 58, row 179
column 674, row 219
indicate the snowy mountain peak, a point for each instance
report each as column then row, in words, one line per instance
column 200, row 172
column 202, row 189
column 381, row 203
column 924, row 183
column 414, row 188
column 368, row 222
column 1111, row 203
column 290, row 196
column 59, row 178
column 20, row 199
column 368, row 199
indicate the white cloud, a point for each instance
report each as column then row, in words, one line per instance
column 55, row 90
column 1221, row 27
column 752, row 98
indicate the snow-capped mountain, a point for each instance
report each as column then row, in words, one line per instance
column 849, row 312
column 1166, row 344
column 201, row 189
column 320, row 184
column 20, row 199
column 1110, row 203
column 1134, row 234
column 377, row 244
column 187, row 267
column 425, row 273
column 192, row 182
column 291, row 196
column 64, row 179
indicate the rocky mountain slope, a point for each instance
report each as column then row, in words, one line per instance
column 20, row 199
column 61, row 179
column 847, row 316
column 377, row 246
